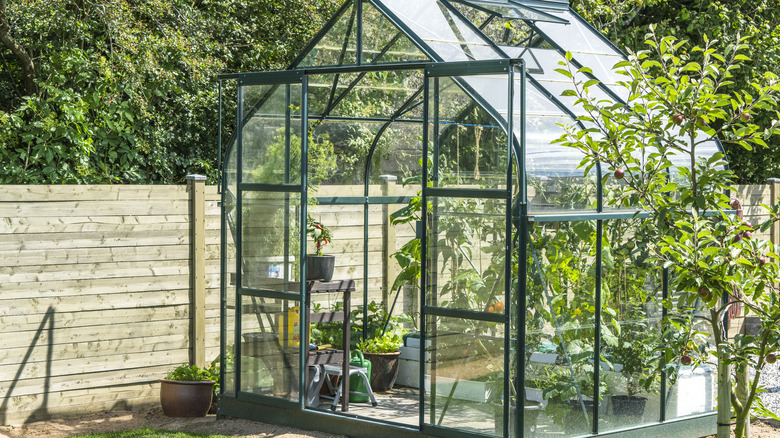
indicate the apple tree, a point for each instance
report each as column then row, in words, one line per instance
column 681, row 99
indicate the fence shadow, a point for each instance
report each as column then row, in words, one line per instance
column 43, row 411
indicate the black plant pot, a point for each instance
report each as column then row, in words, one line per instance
column 320, row 267
column 575, row 421
column 628, row 405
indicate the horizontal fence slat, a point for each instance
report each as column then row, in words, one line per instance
column 100, row 301
column 96, row 208
column 113, row 347
column 57, row 193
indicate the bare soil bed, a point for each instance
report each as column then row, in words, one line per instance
column 153, row 418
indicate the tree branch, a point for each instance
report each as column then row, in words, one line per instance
column 24, row 58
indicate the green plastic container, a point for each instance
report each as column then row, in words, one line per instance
column 356, row 383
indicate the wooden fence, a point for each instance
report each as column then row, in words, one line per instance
column 104, row 289
column 100, row 293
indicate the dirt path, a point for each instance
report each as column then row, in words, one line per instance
column 153, row 418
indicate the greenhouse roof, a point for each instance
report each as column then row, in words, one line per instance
column 540, row 32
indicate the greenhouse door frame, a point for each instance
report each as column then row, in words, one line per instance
column 244, row 404
column 285, row 189
column 430, row 421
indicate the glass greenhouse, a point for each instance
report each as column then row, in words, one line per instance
column 418, row 136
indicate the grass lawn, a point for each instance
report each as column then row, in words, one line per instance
column 150, row 433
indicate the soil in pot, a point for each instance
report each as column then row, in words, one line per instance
column 384, row 370
column 628, row 405
column 320, row 267
column 186, row 399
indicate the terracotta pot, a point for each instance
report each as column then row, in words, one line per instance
column 320, row 267
column 186, row 399
column 384, row 370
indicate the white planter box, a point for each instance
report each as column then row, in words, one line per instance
column 543, row 357
column 693, row 393
column 412, row 353
column 408, row 372
column 535, row 395
column 415, row 342
column 465, row 390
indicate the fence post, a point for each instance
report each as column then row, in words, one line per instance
column 196, row 187
column 388, row 241
column 774, row 193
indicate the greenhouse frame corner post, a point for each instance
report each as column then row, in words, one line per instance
column 302, row 226
column 521, row 220
column 423, row 249
column 597, row 303
column 510, row 139
column 239, row 231
column 222, row 257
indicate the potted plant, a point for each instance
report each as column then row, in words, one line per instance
column 635, row 350
column 187, row 391
column 382, row 351
column 319, row 266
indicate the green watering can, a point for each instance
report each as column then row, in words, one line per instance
column 356, row 383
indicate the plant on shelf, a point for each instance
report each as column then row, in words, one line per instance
column 187, row 391
column 319, row 266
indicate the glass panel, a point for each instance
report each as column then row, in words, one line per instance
column 228, row 313
column 446, row 34
column 588, row 47
column 512, row 11
column 345, row 223
column 369, row 95
column 466, row 243
column 270, row 249
column 502, row 31
column 692, row 389
column 270, row 339
column 556, row 83
column 560, row 321
column 472, row 145
column 339, row 156
column 631, row 293
column 464, row 375
column 338, row 46
column 576, row 35
column 383, row 42
column 398, row 155
column 554, row 180
column 271, row 132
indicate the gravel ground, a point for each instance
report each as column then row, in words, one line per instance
column 770, row 380
column 154, row 419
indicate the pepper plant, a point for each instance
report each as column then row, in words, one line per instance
column 680, row 100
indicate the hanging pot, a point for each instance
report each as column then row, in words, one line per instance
column 320, row 267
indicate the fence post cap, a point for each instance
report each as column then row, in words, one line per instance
column 195, row 177
column 388, row 178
